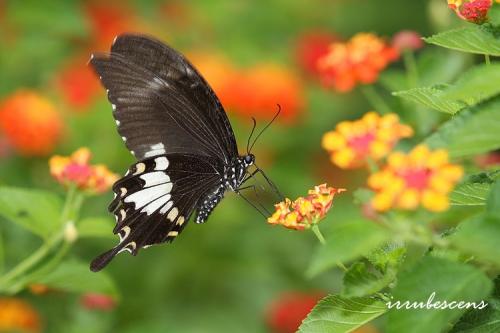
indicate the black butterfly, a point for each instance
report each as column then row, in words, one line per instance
column 174, row 124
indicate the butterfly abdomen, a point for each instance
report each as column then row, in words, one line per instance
column 208, row 203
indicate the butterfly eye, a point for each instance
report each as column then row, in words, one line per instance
column 249, row 159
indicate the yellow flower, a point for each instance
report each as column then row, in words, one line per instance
column 421, row 177
column 18, row 316
column 371, row 137
column 305, row 211
column 76, row 170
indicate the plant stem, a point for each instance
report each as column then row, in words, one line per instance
column 322, row 240
column 318, row 234
column 487, row 59
column 375, row 99
column 31, row 261
column 411, row 68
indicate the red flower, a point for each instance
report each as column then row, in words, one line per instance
column 287, row 312
column 30, row 123
column 78, row 84
column 475, row 11
column 93, row 301
column 311, row 47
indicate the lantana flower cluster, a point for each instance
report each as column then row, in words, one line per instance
column 17, row 315
column 373, row 136
column 475, row 11
column 359, row 60
column 307, row 211
column 76, row 170
column 421, row 177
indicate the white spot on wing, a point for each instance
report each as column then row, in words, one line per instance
column 172, row 233
column 153, row 207
column 155, row 150
column 126, row 231
column 124, row 139
column 140, row 167
column 114, row 40
column 113, row 107
column 173, row 214
column 161, row 163
column 165, row 208
column 145, row 196
column 155, row 178
column 117, row 122
column 180, row 221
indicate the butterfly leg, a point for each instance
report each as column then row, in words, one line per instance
column 280, row 196
column 253, row 205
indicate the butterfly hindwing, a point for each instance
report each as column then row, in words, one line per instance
column 155, row 200
column 161, row 103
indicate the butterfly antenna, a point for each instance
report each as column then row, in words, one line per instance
column 268, row 124
column 251, row 133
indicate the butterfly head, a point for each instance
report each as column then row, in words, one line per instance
column 248, row 160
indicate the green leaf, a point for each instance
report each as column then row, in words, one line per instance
column 359, row 281
column 493, row 209
column 478, row 236
column 76, row 276
column 470, row 132
column 450, row 281
column 96, row 227
column 471, row 39
column 470, row 194
column 480, row 320
column 337, row 314
column 37, row 211
column 476, row 85
column 431, row 97
column 347, row 241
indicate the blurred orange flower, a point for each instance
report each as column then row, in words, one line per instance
column 475, row 11
column 30, row 123
column 287, row 312
column 254, row 91
column 373, row 136
column 421, row 177
column 93, row 301
column 312, row 46
column 109, row 19
column 304, row 212
column 77, row 170
column 359, row 60
column 18, row 315
column 78, row 84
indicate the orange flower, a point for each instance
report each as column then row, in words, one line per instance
column 359, row 60
column 77, row 170
column 108, row 20
column 17, row 315
column 371, row 137
column 475, row 11
column 78, row 84
column 304, row 212
column 421, row 177
column 30, row 123
column 254, row 91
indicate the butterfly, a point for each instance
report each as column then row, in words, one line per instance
column 175, row 126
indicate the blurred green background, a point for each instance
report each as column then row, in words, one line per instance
column 221, row 276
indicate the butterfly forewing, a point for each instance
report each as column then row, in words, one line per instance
column 161, row 103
